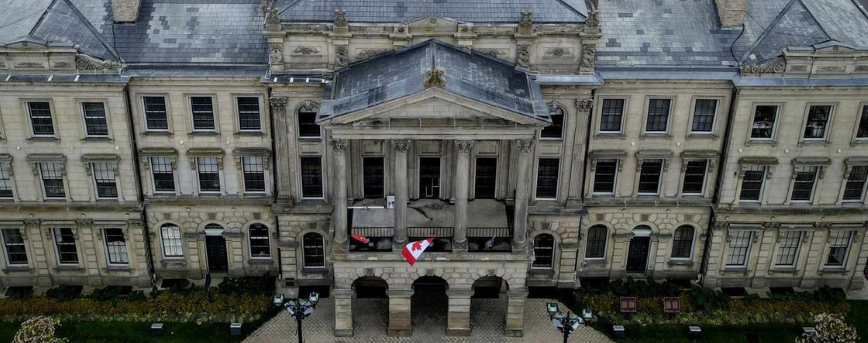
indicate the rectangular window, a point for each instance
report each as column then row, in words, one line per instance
column 658, row 115
column 703, row 115
column 694, row 177
column 596, row 242
column 611, row 114
column 203, row 113
column 604, row 176
column 374, row 177
column 156, row 118
column 839, row 248
column 547, row 178
column 307, row 127
column 254, row 174
column 649, row 176
column 862, row 131
column 739, row 247
column 752, row 183
column 5, row 180
column 64, row 241
column 314, row 251
column 164, row 174
column 248, row 114
column 764, row 122
column 854, row 190
column 209, row 174
column 171, row 238
column 116, row 246
column 788, row 248
column 13, row 242
column 803, row 185
column 259, row 246
column 52, row 179
column 95, row 123
column 40, row 118
column 818, row 122
column 104, row 178
column 556, row 129
column 486, row 178
column 311, row 177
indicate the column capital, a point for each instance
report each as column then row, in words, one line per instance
column 401, row 145
column 339, row 145
column 278, row 103
column 524, row 145
column 464, row 146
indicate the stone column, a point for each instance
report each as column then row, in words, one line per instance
column 460, row 190
column 401, row 147
column 400, row 322
column 343, row 312
column 522, row 190
column 459, row 313
column 339, row 146
column 515, row 312
column 281, row 148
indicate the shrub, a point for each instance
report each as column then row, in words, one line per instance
column 831, row 328
column 63, row 293
column 247, row 285
column 37, row 330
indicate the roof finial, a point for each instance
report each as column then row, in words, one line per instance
column 435, row 77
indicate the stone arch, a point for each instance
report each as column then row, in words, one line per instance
column 483, row 285
column 370, row 287
column 201, row 227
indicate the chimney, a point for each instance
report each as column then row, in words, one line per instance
column 732, row 13
column 125, row 11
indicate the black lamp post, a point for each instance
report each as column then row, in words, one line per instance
column 298, row 309
column 569, row 322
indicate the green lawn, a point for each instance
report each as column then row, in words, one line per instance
column 772, row 333
column 7, row 331
column 858, row 317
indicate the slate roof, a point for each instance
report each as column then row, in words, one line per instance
column 52, row 22
column 404, row 11
column 774, row 25
column 401, row 73
column 663, row 34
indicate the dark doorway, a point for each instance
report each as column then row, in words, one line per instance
column 637, row 256
column 486, row 178
column 429, row 306
column 489, row 287
column 374, row 178
column 429, row 177
column 370, row 287
column 215, row 247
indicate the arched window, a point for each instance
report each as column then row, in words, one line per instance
column 307, row 127
column 556, row 130
column 170, row 237
column 683, row 242
column 259, row 246
column 543, row 251
column 596, row 248
column 314, row 251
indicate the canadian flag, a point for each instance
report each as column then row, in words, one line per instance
column 361, row 238
column 413, row 250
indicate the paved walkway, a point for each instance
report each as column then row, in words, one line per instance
column 370, row 316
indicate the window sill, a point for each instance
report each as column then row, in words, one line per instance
column 783, row 270
column 833, row 270
column 609, row 135
column 552, row 139
column 541, row 271
column 176, row 261
column 97, row 139
column 70, row 267
column 204, row 133
column 44, row 139
column 742, row 270
column 310, row 138
column 656, row 135
column 681, row 262
column 157, row 133
column 590, row 261
column 760, row 142
column 260, row 261
column 118, row 268
column 859, row 141
column 702, row 136
column 819, row 142
column 14, row 268
column 314, row 271
column 250, row 133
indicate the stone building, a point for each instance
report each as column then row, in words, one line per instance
column 540, row 143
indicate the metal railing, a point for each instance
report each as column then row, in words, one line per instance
column 373, row 232
column 488, row 232
column 436, row 232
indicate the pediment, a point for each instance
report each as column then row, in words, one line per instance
column 834, row 48
column 434, row 24
column 437, row 108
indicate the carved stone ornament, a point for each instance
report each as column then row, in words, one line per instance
column 401, row 145
column 275, row 56
column 339, row 145
column 309, row 107
column 863, row 68
column 524, row 145
column 341, row 18
column 558, row 52
column 365, row 53
column 306, row 50
column 278, row 104
column 526, row 22
column 584, row 105
column 342, row 55
column 83, row 62
column 464, row 146
column 775, row 66
column 523, row 56
column 593, row 20
column 435, row 77
column 588, row 53
column 272, row 15
column 499, row 53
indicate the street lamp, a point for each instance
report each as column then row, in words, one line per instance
column 569, row 322
column 298, row 308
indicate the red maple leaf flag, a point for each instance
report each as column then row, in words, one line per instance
column 361, row 238
column 413, row 250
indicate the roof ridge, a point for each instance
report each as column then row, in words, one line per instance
column 808, row 8
column 41, row 18
column 768, row 29
column 92, row 29
column 290, row 6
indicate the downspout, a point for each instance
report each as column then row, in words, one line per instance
column 588, row 132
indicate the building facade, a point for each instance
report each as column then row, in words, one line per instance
column 538, row 144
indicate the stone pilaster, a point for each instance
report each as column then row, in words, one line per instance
column 522, row 191
column 459, row 313
column 343, row 312
column 400, row 322
column 460, row 190
column 515, row 312
column 40, row 245
column 281, row 147
column 401, row 147
column 340, row 146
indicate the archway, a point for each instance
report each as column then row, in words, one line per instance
column 371, row 304
column 488, row 306
column 429, row 305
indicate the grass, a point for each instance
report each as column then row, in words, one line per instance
column 7, row 331
column 858, row 317
column 769, row 333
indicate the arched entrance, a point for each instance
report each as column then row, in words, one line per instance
column 429, row 305
column 488, row 305
column 371, row 304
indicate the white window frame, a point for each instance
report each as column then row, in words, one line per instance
column 322, row 178
column 536, row 179
column 172, row 160
column 624, row 112
column 776, row 124
column 145, row 113
column 813, row 183
column 863, row 106
column 647, row 113
column 848, row 250
column 214, row 113
column 704, row 177
column 163, row 241
column 692, row 243
column 554, row 106
column 54, row 237
column 6, row 166
column 829, row 121
column 126, row 247
column 796, row 253
column 244, row 176
column 659, row 176
column 751, row 235
column 262, row 122
column 105, row 108
column 53, row 114
column 385, row 170
column 714, row 120
column 3, row 238
column 250, row 243
column 605, row 243
column 304, row 255
column 614, row 181
column 199, row 174
column 62, row 171
column 762, row 187
column 533, row 251
column 96, row 186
